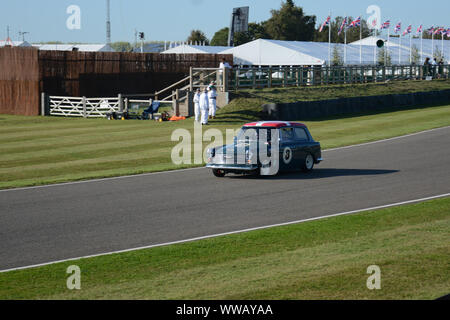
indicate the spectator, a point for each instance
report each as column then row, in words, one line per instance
column 426, row 67
column 204, row 106
column 434, row 65
column 224, row 67
column 441, row 69
column 197, row 111
column 212, row 96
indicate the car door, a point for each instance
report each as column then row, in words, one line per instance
column 302, row 146
column 288, row 148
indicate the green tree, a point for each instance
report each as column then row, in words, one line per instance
column 197, row 36
column 255, row 31
column 415, row 55
column 121, row 46
column 381, row 57
column 438, row 54
column 337, row 56
column 290, row 23
column 220, row 38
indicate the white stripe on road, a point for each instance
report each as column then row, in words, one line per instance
column 197, row 168
column 232, row 232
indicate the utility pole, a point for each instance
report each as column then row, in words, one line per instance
column 108, row 23
column 22, row 34
column 142, row 38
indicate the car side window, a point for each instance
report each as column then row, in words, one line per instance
column 301, row 135
column 287, row 134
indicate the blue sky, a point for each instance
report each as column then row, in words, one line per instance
column 172, row 20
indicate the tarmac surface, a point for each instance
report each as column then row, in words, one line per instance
column 57, row 222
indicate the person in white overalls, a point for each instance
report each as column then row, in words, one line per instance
column 212, row 96
column 204, row 106
column 197, row 111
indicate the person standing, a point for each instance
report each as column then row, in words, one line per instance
column 212, row 96
column 433, row 66
column 426, row 67
column 441, row 68
column 224, row 67
column 204, row 106
column 197, row 111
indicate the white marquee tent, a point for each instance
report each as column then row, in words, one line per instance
column 188, row 49
column 298, row 53
column 80, row 47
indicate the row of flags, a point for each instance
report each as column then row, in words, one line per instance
column 386, row 25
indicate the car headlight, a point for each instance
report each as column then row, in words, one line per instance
column 211, row 153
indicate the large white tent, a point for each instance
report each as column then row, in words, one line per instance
column 188, row 49
column 79, row 47
column 425, row 47
column 272, row 53
column 300, row 53
column 14, row 43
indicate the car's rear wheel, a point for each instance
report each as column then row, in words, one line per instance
column 219, row 173
column 308, row 165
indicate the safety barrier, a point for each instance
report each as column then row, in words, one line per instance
column 267, row 77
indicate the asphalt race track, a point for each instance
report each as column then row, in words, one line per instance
column 44, row 224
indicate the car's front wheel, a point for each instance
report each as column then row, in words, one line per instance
column 308, row 165
column 219, row 173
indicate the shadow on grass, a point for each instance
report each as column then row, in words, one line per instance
column 318, row 174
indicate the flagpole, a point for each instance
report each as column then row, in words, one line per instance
column 410, row 47
column 399, row 49
column 345, row 42
column 329, row 42
column 421, row 44
column 374, row 49
column 360, row 42
column 432, row 45
column 442, row 32
column 386, row 51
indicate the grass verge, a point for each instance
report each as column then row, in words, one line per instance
column 43, row 150
column 324, row 259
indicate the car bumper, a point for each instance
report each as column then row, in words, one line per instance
column 232, row 167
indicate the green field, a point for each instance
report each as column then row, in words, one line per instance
column 324, row 259
column 42, row 150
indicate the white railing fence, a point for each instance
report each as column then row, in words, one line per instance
column 82, row 106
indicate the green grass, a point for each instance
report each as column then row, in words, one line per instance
column 324, row 259
column 314, row 93
column 43, row 150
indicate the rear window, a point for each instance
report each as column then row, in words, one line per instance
column 300, row 134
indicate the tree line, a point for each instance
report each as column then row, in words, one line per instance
column 289, row 23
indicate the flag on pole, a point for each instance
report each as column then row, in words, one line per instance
column 386, row 25
column 408, row 30
column 438, row 30
column 355, row 23
column 420, row 29
column 343, row 25
column 448, row 33
column 326, row 23
column 398, row 27
column 430, row 30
